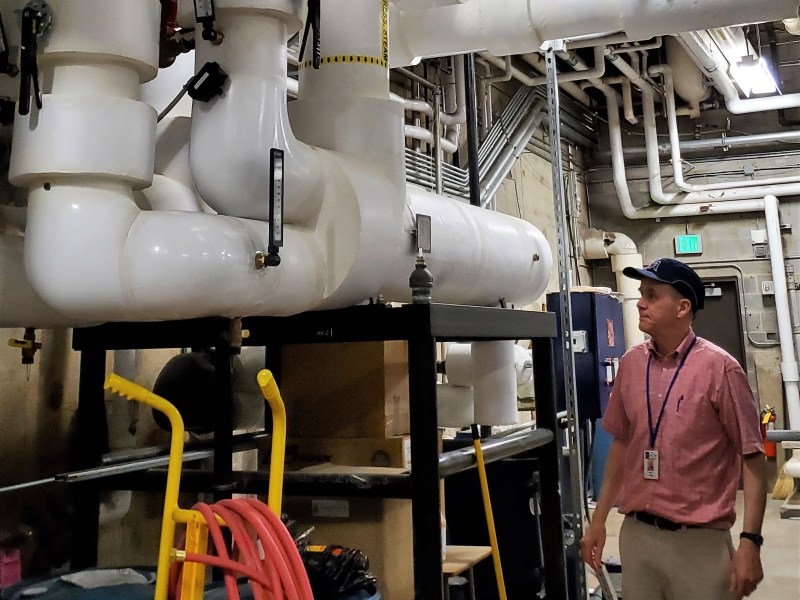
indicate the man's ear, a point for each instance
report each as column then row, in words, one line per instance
column 684, row 308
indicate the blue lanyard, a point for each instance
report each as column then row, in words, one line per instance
column 654, row 432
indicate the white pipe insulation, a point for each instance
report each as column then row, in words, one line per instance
column 716, row 68
column 675, row 147
column 91, row 253
column 506, row 27
column 656, row 212
column 789, row 368
column 598, row 245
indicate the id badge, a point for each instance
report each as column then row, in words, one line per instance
column 651, row 464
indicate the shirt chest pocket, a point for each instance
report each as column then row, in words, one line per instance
column 691, row 416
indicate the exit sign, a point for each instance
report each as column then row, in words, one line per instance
column 690, row 243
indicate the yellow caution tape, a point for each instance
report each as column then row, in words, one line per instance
column 348, row 58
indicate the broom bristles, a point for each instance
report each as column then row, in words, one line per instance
column 784, row 486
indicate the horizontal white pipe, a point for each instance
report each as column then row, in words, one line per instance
column 505, row 27
column 571, row 88
column 721, row 196
column 425, row 108
column 789, row 369
column 660, row 212
column 425, row 135
column 472, row 261
column 674, row 138
column 717, row 72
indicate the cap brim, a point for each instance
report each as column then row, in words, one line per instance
column 640, row 274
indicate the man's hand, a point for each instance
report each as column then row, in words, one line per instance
column 746, row 571
column 594, row 539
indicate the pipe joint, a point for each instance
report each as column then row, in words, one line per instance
column 790, row 371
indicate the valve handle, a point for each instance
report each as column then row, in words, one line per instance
column 36, row 18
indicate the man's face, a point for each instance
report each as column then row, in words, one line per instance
column 660, row 307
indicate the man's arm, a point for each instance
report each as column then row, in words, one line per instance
column 747, row 571
column 594, row 536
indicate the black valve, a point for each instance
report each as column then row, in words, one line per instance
column 6, row 66
column 205, row 15
column 313, row 24
column 36, row 18
column 207, row 83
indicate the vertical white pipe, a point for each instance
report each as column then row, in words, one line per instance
column 789, row 370
column 232, row 134
column 629, row 288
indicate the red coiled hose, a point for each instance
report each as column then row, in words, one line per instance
column 278, row 575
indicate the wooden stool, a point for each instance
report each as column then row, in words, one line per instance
column 460, row 560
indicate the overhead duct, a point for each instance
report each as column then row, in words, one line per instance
column 506, row 27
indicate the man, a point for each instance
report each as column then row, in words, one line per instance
column 685, row 427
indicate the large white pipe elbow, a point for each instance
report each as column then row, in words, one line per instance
column 94, row 255
column 232, row 134
column 20, row 304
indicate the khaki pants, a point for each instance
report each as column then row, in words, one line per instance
column 688, row 564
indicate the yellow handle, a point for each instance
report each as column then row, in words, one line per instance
column 271, row 393
column 487, row 507
column 135, row 392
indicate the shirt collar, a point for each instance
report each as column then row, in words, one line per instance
column 679, row 352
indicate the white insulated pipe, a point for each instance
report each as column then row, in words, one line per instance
column 471, row 259
column 506, row 27
column 719, row 196
column 716, row 69
column 789, row 368
column 675, row 148
column 20, row 304
column 232, row 134
column 657, row 212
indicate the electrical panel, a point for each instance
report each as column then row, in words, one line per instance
column 597, row 324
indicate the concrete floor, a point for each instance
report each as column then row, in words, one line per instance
column 780, row 555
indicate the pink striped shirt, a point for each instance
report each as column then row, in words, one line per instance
column 710, row 422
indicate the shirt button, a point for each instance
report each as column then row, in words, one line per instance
column 664, row 369
column 647, row 506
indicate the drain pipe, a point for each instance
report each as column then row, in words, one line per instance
column 472, row 130
column 598, row 245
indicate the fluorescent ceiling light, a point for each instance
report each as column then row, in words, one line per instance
column 753, row 76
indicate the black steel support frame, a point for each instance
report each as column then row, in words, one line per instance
column 422, row 326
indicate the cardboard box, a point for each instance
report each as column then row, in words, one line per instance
column 394, row 452
column 379, row 528
column 357, row 390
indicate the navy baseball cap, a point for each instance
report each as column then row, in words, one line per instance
column 675, row 273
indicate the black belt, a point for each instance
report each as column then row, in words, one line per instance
column 661, row 522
